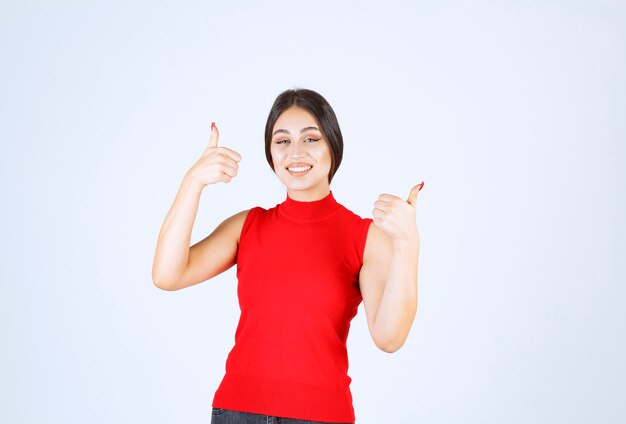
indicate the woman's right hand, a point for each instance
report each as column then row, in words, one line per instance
column 215, row 164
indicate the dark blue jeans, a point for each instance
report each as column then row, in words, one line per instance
column 227, row 416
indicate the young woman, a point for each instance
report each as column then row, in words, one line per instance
column 303, row 267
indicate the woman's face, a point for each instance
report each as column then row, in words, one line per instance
column 301, row 155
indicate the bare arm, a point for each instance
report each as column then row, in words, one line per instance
column 388, row 277
column 388, row 282
column 215, row 253
column 175, row 264
column 172, row 251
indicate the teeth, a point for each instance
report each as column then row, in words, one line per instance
column 299, row 168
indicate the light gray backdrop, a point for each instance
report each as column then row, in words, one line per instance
column 511, row 112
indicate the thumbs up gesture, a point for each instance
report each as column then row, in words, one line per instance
column 215, row 163
column 396, row 216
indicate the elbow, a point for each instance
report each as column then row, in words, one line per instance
column 164, row 284
column 159, row 284
column 392, row 340
column 391, row 343
column 164, row 279
column 390, row 346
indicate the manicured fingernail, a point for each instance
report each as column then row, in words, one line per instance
column 421, row 186
column 212, row 125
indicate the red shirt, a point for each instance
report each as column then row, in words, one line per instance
column 298, row 265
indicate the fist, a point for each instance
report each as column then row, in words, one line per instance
column 396, row 216
column 216, row 163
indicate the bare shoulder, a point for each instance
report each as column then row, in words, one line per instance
column 225, row 236
column 234, row 223
column 377, row 245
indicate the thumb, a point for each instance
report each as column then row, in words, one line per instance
column 215, row 134
column 412, row 200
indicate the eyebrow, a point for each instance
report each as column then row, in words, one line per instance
column 301, row 131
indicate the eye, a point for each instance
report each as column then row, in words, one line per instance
column 311, row 139
column 281, row 141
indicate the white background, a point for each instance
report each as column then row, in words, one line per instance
column 511, row 112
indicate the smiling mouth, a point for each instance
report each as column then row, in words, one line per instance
column 299, row 168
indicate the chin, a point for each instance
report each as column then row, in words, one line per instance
column 298, row 186
column 303, row 185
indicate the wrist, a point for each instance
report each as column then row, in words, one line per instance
column 410, row 242
column 191, row 183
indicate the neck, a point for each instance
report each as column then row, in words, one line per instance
column 308, row 195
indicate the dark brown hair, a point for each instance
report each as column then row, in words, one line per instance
column 317, row 106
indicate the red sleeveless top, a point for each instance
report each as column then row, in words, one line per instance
column 298, row 265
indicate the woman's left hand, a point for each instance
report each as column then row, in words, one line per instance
column 396, row 216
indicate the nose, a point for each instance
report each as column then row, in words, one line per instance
column 297, row 149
